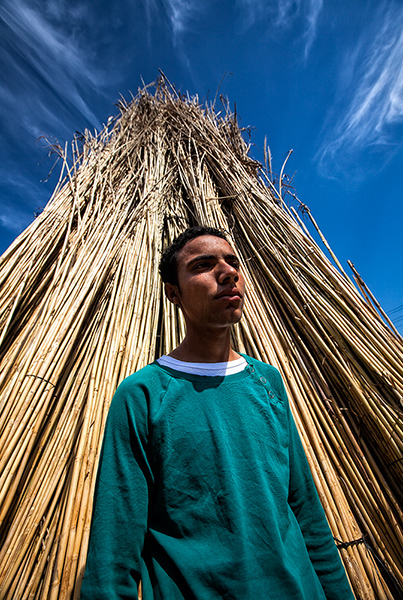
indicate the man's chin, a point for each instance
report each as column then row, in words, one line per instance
column 235, row 317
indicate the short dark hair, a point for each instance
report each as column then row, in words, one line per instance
column 168, row 266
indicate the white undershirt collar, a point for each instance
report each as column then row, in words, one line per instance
column 220, row 369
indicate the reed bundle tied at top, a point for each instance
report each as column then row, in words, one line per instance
column 82, row 307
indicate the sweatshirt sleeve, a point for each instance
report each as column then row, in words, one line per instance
column 119, row 520
column 305, row 504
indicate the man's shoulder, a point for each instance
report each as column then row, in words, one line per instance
column 137, row 392
column 262, row 366
column 269, row 372
column 147, row 377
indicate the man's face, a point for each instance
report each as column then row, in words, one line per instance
column 210, row 288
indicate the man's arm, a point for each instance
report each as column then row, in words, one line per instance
column 119, row 519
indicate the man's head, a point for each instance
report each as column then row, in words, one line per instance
column 168, row 266
column 209, row 286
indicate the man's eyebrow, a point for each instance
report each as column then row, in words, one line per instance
column 211, row 257
column 201, row 257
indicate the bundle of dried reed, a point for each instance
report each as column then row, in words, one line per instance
column 82, row 308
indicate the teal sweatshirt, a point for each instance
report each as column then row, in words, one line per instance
column 204, row 492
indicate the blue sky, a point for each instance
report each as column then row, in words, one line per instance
column 321, row 77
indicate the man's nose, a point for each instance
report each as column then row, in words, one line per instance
column 228, row 273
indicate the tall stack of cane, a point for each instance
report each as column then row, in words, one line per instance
column 82, row 307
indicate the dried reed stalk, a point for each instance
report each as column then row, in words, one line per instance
column 81, row 307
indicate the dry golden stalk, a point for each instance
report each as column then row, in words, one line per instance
column 82, row 307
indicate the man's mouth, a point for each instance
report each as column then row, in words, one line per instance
column 229, row 294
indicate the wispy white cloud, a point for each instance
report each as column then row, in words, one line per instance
column 181, row 12
column 16, row 217
column 52, row 119
column 49, row 82
column 287, row 11
column 50, row 55
column 14, row 220
column 151, row 10
column 182, row 17
column 375, row 78
column 312, row 16
column 284, row 14
column 254, row 11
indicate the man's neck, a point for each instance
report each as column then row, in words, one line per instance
column 205, row 348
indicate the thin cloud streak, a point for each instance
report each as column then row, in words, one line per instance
column 14, row 220
column 182, row 16
column 150, row 9
column 279, row 13
column 53, row 57
column 181, row 13
column 314, row 10
column 287, row 10
column 283, row 14
column 377, row 102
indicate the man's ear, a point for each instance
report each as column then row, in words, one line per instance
column 172, row 293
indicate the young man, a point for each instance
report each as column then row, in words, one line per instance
column 203, row 490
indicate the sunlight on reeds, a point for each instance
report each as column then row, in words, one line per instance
column 82, row 307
